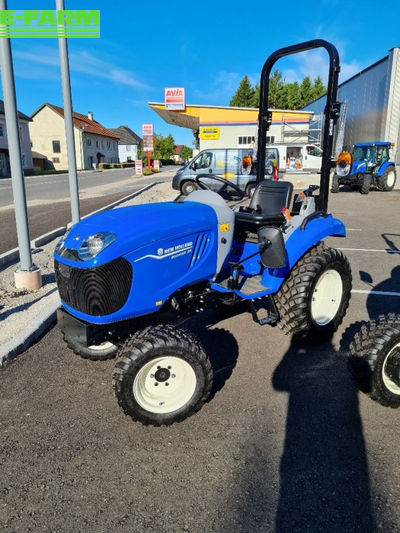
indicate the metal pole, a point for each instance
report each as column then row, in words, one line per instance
column 14, row 149
column 69, row 125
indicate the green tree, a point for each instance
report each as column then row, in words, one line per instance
column 306, row 91
column 318, row 88
column 186, row 153
column 244, row 95
column 163, row 146
column 276, row 96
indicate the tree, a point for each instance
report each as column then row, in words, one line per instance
column 276, row 96
column 163, row 146
column 318, row 88
column 186, row 153
column 306, row 91
column 244, row 95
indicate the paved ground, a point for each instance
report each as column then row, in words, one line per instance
column 48, row 199
column 286, row 443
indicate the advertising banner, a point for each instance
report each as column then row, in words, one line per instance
column 138, row 166
column 174, row 98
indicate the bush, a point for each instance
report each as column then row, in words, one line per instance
column 147, row 172
column 155, row 170
column 128, row 164
column 167, row 162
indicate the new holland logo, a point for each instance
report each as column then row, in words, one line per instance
column 173, row 252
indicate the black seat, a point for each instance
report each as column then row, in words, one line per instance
column 266, row 205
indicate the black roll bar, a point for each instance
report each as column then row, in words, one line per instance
column 332, row 111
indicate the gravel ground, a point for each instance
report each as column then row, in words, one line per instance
column 18, row 307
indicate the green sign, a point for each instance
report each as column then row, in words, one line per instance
column 47, row 23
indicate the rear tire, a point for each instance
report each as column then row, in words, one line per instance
column 366, row 184
column 313, row 300
column 335, row 184
column 162, row 376
column 388, row 179
column 188, row 187
column 373, row 354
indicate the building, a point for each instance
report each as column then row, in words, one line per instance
column 177, row 154
column 23, row 121
column 236, row 127
column 128, row 144
column 372, row 99
column 93, row 142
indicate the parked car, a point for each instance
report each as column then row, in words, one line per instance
column 234, row 164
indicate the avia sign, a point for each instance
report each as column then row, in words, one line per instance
column 174, row 98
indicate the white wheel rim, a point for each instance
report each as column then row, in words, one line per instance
column 189, row 188
column 102, row 346
column 390, row 178
column 164, row 385
column 326, row 297
column 389, row 384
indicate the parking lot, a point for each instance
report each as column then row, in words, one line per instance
column 286, row 443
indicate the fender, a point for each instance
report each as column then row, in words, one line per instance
column 383, row 167
column 298, row 243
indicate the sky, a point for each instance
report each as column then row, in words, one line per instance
column 206, row 47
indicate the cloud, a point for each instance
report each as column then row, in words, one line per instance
column 221, row 88
column 315, row 63
column 80, row 61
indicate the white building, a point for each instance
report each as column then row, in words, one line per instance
column 93, row 142
column 26, row 153
column 128, row 144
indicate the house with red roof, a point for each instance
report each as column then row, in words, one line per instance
column 93, row 142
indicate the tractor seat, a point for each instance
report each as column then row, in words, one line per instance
column 265, row 206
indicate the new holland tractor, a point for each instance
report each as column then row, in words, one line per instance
column 129, row 278
column 368, row 165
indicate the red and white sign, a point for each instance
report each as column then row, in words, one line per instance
column 138, row 166
column 174, row 98
column 148, row 144
column 156, row 164
column 147, row 129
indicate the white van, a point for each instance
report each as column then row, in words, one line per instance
column 297, row 156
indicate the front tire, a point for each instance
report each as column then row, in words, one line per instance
column 388, row 180
column 374, row 360
column 335, row 184
column 366, row 184
column 96, row 352
column 313, row 300
column 188, row 187
column 162, row 376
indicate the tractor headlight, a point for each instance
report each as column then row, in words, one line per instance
column 95, row 244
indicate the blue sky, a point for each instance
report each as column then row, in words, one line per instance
column 206, row 47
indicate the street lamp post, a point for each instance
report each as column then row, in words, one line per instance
column 27, row 276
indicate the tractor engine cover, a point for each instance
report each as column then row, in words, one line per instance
column 159, row 248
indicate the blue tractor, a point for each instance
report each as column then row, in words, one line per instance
column 368, row 165
column 130, row 277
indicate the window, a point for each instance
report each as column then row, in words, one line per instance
column 56, row 147
column 129, row 158
column 246, row 140
column 1, row 130
column 88, row 142
column 204, row 161
column 270, row 139
column 97, row 144
column 108, row 144
column 313, row 150
column 55, row 159
column 128, row 147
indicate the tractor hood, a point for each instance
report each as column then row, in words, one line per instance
column 134, row 227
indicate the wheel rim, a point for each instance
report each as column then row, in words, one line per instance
column 189, row 188
column 388, row 382
column 106, row 345
column 164, row 385
column 390, row 178
column 326, row 297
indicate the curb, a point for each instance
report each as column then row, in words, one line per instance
column 32, row 333
column 45, row 320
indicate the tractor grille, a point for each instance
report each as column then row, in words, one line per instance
column 95, row 291
column 199, row 248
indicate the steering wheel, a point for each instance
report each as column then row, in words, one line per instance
column 225, row 184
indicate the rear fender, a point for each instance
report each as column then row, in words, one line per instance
column 298, row 243
column 383, row 167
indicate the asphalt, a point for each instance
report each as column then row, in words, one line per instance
column 286, row 442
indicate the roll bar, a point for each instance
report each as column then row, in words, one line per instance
column 332, row 111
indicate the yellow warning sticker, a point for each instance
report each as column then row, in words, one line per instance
column 159, row 302
column 224, row 227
